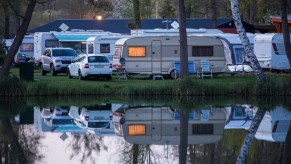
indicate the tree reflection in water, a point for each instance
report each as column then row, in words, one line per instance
column 87, row 146
column 18, row 143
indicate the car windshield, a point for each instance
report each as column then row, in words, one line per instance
column 62, row 121
column 98, row 124
column 98, row 59
column 64, row 52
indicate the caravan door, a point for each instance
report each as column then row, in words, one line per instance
column 156, row 58
column 156, row 129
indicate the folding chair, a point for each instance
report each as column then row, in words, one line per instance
column 205, row 68
column 191, row 68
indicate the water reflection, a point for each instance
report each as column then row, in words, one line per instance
column 160, row 125
column 136, row 131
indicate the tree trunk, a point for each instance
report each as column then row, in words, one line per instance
column 245, row 41
column 18, row 39
column 213, row 14
column 135, row 153
column 250, row 136
column 6, row 19
column 285, row 28
column 184, row 121
column 183, row 39
column 13, row 140
column 287, row 146
column 136, row 7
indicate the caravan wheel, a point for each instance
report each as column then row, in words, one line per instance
column 172, row 74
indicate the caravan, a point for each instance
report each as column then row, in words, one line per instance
column 236, row 59
column 103, row 44
column 160, row 125
column 155, row 55
column 270, row 51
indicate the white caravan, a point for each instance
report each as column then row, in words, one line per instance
column 275, row 125
column 103, row 44
column 270, row 51
column 155, row 55
column 160, row 125
column 173, row 32
column 236, row 59
column 71, row 39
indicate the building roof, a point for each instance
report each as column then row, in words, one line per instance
column 122, row 25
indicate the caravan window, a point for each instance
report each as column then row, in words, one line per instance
column 117, row 54
column 134, row 130
column 202, row 128
column 279, row 48
column 104, row 48
column 202, row 51
column 90, row 49
column 51, row 43
column 136, row 51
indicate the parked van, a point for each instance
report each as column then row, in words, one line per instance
column 270, row 51
column 161, row 125
column 156, row 54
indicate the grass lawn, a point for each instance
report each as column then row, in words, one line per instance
column 223, row 84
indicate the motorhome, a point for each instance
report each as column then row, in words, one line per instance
column 275, row 125
column 270, row 51
column 160, row 125
column 70, row 39
column 103, row 44
column 153, row 55
column 236, row 59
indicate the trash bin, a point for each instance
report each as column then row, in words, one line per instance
column 26, row 71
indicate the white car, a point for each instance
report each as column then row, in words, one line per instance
column 91, row 65
column 56, row 116
column 92, row 117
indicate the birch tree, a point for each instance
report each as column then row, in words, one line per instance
column 245, row 41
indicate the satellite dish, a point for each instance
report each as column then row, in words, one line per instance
column 122, row 61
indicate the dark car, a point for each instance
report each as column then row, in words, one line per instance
column 22, row 57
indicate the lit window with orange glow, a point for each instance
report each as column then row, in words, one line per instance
column 136, row 51
column 134, row 130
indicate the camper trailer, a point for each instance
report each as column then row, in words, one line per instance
column 275, row 125
column 71, row 39
column 270, row 51
column 239, row 116
column 160, row 125
column 103, row 44
column 154, row 55
column 236, row 59
column 173, row 32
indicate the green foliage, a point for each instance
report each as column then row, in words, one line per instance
column 12, row 86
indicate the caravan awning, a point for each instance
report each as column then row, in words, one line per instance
column 71, row 38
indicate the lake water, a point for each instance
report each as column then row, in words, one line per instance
column 110, row 130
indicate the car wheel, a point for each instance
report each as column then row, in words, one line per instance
column 69, row 74
column 42, row 72
column 53, row 71
column 80, row 75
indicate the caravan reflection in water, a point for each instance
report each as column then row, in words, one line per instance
column 161, row 125
column 275, row 125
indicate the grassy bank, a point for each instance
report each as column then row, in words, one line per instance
column 242, row 85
